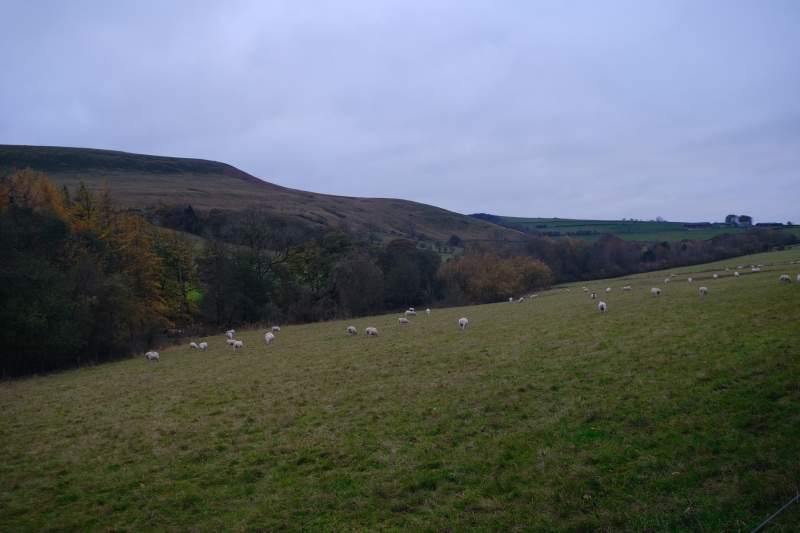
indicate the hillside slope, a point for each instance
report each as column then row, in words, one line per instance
column 141, row 180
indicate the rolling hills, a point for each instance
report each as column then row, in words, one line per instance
column 143, row 180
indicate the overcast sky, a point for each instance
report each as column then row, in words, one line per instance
column 687, row 110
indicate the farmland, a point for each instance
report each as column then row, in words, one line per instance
column 630, row 230
column 670, row 413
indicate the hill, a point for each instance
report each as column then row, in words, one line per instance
column 670, row 413
column 143, row 180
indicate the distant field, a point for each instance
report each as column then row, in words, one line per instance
column 671, row 413
column 591, row 230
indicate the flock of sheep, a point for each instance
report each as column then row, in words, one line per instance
column 269, row 337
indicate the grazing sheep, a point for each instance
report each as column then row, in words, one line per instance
column 411, row 309
column 511, row 299
column 735, row 274
column 192, row 345
column 403, row 320
column 372, row 332
column 626, row 288
column 703, row 291
column 534, row 295
column 593, row 296
column 689, row 280
column 585, row 289
column 411, row 312
column 786, row 278
column 521, row 299
column 462, row 322
column 666, row 280
column 739, row 267
column 656, row 291
column 352, row 330
column 237, row 345
column 673, row 275
column 230, row 342
column 715, row 276
column 602, row 307
column 567, row 290
column 152, row 357
column 727, row 270
column 608, row 289
column 428, row 311
column 276, row 329
column 203, row 346
column 269, row 337
column 230, row 333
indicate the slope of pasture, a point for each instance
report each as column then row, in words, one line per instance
column 630, row 230
column 670, row 413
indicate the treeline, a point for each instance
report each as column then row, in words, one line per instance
column 83, row 280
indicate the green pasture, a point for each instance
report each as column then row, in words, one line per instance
column 670, row 413
column 629, row 230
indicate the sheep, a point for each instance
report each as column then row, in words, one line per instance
column 462, row 322
column 585, row 289
column 203, row 346
column 521, row 299
column 428, row 311
column 689, row 280
column 608, row 289
column 798, row 278
column 152, row 357
column 534, row 295
column 352, row 330
column 276, row 329
column 372, row 332
column 626, row 288
column 567, row 290
column 411, row 312
column 673, row 275
column 735, row 274
column 230, row 333
column 192, row 345
column 403, row 320
column 602, row 307
column 511, row 299
column 237, row 345
column 411, row 309
column 230, row 342
column 786, row 278
column 739, row 267
column 593, row 296
column 715, row 276
column 703, row 291
column 656, row 291
column 269, row 337
column 666, row 280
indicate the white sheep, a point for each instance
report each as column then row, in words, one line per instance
column 689, row 280
column 230, row 333
column 462, row 322
column 372, row 332
column 534, row 295
column 521, row 299
column 786, row 278
column 428, row 311
column 511, row 299
column 585, row 289
column 237, row 345
column 230, row 342
column 626, row 288
column 411, row 312
column 602, row 307
column 656, row 291
column 798, row 278
column 192, row 345
column 593, row 296
column 152, row 357
column 735, row 274
column 673, row 275
column 352, row 330
column 403, row 320
column 567, row 290
column 703, row 291
column 411, row 309
column 276, row 329
column 608, row 289
column 203, row 346
column 269, row 337
column 715, row 276
column 666, row 280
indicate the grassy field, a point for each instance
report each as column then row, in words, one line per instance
column 670, row 413
column 630, row 230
